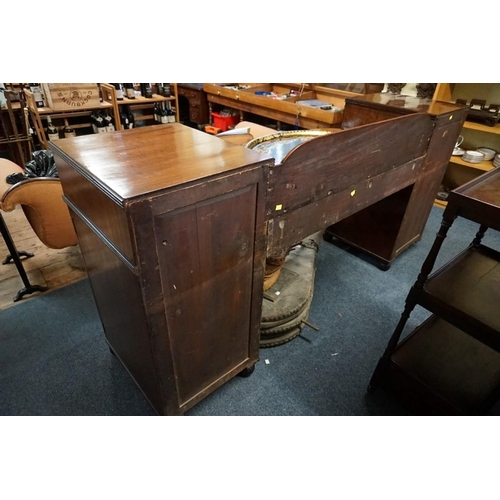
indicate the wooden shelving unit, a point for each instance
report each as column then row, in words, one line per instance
column 141, row 105
column 14, row 133
column 109, row 104
column 475, row 134
column 39, row 116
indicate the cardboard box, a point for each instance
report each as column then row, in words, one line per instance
column 71, row 96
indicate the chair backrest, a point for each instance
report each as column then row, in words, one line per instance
column 42, row 202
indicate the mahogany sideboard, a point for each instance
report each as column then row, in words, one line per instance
column 171, row 226
column 175, row 226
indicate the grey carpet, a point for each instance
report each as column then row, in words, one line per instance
column 54, row 361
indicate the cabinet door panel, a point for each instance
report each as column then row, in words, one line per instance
column 206, row 257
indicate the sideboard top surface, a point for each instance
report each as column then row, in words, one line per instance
column 138, row 162
column 407, row 103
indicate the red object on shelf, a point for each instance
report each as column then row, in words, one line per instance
column 224, row 122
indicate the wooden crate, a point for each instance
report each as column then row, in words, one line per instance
column 70, row 96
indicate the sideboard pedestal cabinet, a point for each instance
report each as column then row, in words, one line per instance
column 171, row 225
column 387, row 228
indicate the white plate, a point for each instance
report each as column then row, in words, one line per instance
column 474, row 154
column 458, row 152
column 489, row 154
column 472, row 161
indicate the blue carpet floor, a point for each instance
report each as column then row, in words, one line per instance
column 54, row 360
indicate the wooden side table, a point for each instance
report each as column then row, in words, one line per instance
column 450, row 364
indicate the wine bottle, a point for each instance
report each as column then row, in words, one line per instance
column 119, row 91
column 146, row 90
column 52, row 132
column 110, row 126
column 131, row 118
column 129, row 89
column 37, row 94
column 68, row 131
column 124, row 118
column 170, row 114
column 159, row 88
column 166, row 90
column 100, row 125
column 164, row 114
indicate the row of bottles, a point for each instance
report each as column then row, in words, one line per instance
column 131, row 90
column 100, row 121
column 53, row 133
column 163, row 113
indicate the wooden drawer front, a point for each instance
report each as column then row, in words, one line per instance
column 189, row 93
column 206, row 256
column 194, row 114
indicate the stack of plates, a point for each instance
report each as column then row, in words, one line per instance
column 489, row 154
column 473, row 156
column 496, row 161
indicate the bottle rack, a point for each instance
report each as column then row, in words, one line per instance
column 141, row 106
column 60, row 119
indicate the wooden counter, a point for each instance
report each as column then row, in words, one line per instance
column 170, row 222
column 289, row 110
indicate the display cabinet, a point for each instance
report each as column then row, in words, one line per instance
column 450, row 364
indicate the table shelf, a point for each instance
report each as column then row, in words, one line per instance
column 439, row 363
